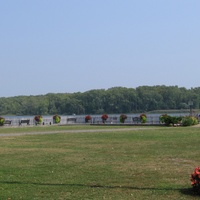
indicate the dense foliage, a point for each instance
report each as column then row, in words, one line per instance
column 104, row 117
column 113, row 100
column 38, row 119
column 195, row 179
column 88, row 118
column 189, row 121
column 2, row 120
column 56, row 119
column 122, row 118
column 178, row 120
column 143, row 118
column 170, row 120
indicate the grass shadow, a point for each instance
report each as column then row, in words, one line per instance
column 190, row 192
column 185, row 191
column 92, row 186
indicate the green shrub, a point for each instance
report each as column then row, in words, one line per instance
column 122, row 118
column 162, row 118
column 38, row 119
column 189, row 121
column 143, row 118
column 2, row 120
column 56, row 119
column 195, row 121
column 166, row 119
column 170, row 120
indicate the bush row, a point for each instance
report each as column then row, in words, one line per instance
column 173, row 120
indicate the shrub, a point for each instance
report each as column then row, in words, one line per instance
column 38, row 119
column 56, row 119
column 195, row 179
column 189, row 121
column 2, row 120
column 104, row 118
column 167, row 119
column 176, row 120
column 195, row 121
column 87, row 118
column 162, row 118
column 170, row 120
column 143, row 118
column 122, row 118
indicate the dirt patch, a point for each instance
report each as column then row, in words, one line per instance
column 198, row 125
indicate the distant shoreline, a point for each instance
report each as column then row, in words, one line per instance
column 174, row 111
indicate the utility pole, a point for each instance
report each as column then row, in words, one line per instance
column 190, row 103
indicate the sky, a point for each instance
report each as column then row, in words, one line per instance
column 68, row 46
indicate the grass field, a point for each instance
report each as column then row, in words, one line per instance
column 23, row 129
column 153, row 163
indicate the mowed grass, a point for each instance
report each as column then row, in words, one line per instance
column 41, row 128
column 153, row 163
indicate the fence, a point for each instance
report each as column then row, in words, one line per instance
column 80, row 119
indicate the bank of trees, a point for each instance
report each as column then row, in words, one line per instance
column 113, row 100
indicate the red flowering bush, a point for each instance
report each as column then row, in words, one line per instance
column 195, row 179
column 123, row 118
column 104, row 118
column 87, row 118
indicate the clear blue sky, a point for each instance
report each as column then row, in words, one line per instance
column 72, row 46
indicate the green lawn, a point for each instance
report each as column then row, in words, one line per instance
column 120, row 165
column 40, row 128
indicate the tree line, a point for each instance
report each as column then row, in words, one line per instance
column 98, row 101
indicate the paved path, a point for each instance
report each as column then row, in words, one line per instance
column 72, row 131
